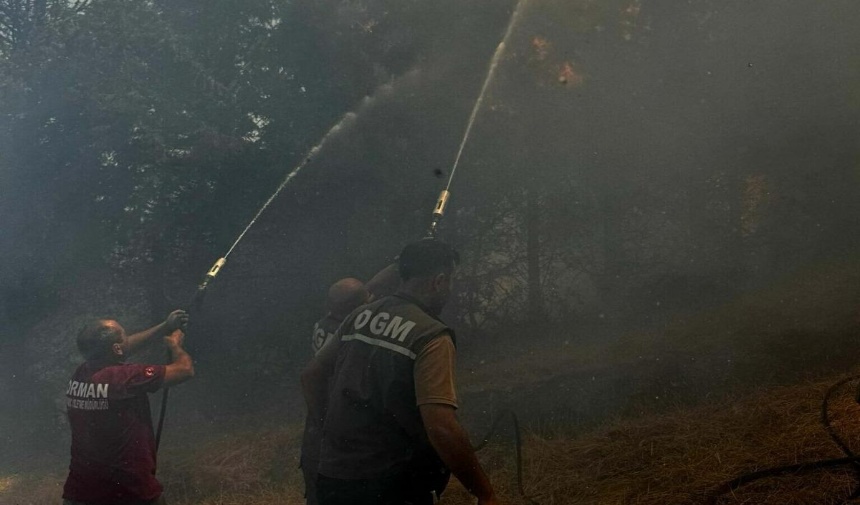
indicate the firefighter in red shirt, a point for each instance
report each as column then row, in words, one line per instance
column 113, row 445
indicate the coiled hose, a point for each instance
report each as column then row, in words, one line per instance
column 802, row 468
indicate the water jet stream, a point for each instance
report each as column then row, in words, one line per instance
column 345, row 121
column 445, row 195
column 347, row 118
column 494, row 63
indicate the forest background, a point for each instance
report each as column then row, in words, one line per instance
column 635, row 163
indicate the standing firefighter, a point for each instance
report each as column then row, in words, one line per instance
column 113, row 446
column 386, row 385
column 344, row 296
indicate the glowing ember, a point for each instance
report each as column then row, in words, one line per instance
column 541, row 47
column 568, row 75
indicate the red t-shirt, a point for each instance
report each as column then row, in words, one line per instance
column 113, row 446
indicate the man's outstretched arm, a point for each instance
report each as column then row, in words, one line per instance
column 181, row 367
column 436, row 396
column 175, row 320
column 451, row 442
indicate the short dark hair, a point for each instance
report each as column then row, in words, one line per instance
column 96, row 338
column 425, row 258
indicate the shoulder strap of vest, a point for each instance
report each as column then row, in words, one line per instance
column 411, row 299
column 418, row 303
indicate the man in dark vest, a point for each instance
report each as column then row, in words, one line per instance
column 344, row 296
column 113, row 446
column 385, row 387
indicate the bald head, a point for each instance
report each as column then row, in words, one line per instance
column 346, row 295
column 97, row 338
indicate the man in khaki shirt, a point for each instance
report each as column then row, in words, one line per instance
column 384, row 386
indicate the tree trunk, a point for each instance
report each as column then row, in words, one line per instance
column 535, row 295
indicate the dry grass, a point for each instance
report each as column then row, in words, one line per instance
column 31, row 489
column 262, row 464
column 672, row 458
column 678, row 458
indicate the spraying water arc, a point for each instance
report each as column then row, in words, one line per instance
column 347, row 119
column 445, row 195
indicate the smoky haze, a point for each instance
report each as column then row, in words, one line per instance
column 648, row 184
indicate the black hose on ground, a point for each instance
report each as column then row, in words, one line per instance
column 797, row 469
column 518, row 444
column 801, row 468
column 828, row 426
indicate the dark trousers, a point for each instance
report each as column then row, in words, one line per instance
column 396, row 490
column 310, row 475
